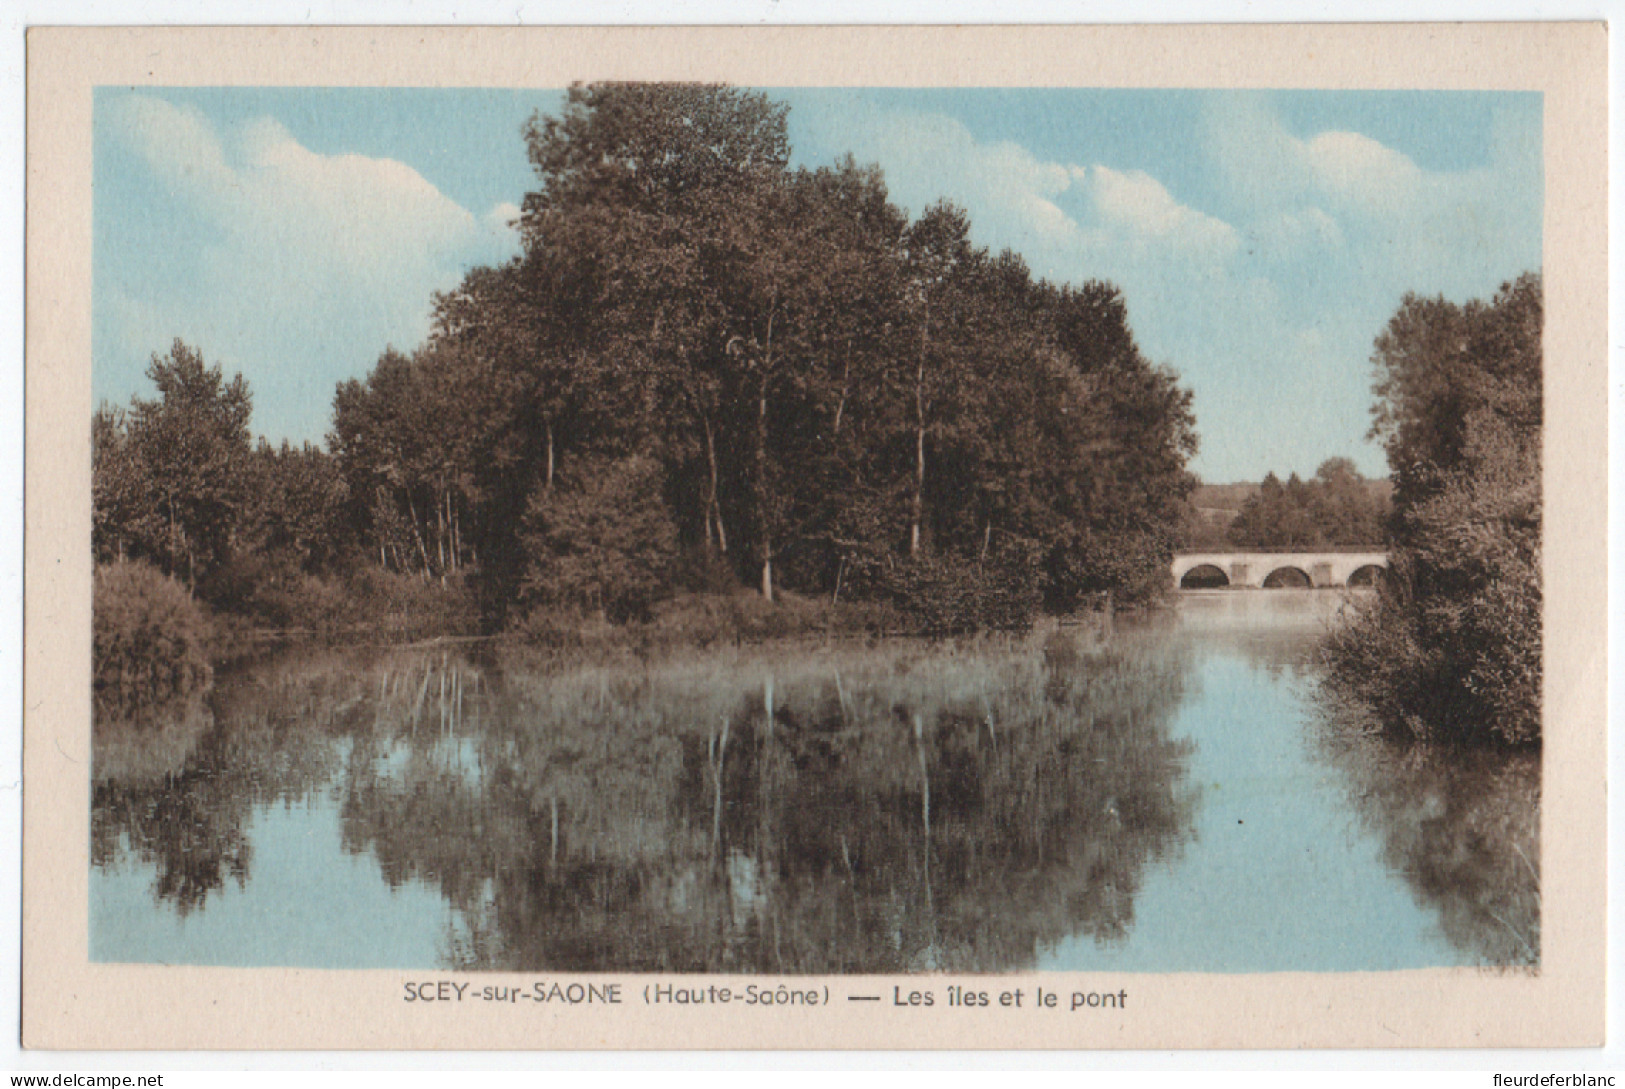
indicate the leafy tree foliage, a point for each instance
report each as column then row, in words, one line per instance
column 826, row 392
column 1453, row 646
column 176, row 484
column 698, row 349
column 1335, row 507
column 606, row 547
column 171, row 476
column 291, row 527
column 406, row 441
column 298, row 509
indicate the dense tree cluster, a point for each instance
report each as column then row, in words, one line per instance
column 772, row 367
column 704, row 369
column 171, row 477
column 178, row 484
column 1453, row 645
column 1334, row 508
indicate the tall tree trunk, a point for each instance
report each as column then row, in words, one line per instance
column 440, row 532
column 713, row 510
column 917, row 504
column 417, row 534
column 761, row 488
column 761, row 462
column 550, row 459
column 174, row 564
column 846, row 389
column 456, row 541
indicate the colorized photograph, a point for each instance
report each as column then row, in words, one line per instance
column 702, row 528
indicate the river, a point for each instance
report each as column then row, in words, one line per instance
column 1162, row 792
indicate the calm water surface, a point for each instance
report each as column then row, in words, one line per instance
column 1166, row 795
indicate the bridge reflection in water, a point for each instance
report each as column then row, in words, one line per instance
column 1213, row 570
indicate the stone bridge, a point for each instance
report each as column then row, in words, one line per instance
column 1270, row 569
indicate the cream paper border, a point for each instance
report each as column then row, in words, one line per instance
column 71, row 1003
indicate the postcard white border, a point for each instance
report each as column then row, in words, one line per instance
column 71, row 1003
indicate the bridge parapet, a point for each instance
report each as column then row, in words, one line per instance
column 1253, row 569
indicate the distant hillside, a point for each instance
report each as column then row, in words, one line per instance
column 1223, row 497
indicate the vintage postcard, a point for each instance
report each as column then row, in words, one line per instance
column 1048, row 537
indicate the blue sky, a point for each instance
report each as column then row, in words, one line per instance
column 1262, row 239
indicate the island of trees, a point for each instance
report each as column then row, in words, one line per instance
column 705, row 372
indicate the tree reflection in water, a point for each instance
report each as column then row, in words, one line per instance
column 1462, row 827
column 177, row 788
column 799, row 809
column 150, row 797
column 905, row 806
column 842, row 808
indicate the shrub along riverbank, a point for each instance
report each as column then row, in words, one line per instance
column 156, row 643
column 151, row 643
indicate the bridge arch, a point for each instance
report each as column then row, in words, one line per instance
column 1204, row 576
column 1288, row 576
column 1325, row 568
column 1370, row 574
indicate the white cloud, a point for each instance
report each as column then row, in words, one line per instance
column 931, row 157
column 1265, row 168
column 178, row 144
column 1069, row 219
column 309, row 264
column 1295, row 235
column 1342, row 225
column 1258, row 162
column 1135, row 201
column 346, row 213
column 1361, row 171
column 353, row 211
column 1408, row 228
